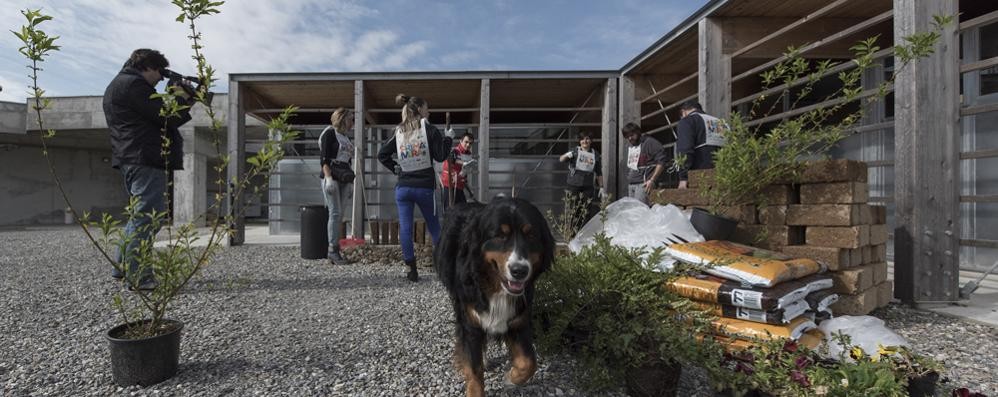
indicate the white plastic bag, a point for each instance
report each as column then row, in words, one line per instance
column 867, row 332
column 630, row 223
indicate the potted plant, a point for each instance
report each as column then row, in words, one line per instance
column 758, row 155
column 145, row 346
column 605, row 307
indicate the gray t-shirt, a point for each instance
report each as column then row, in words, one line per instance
column 642, row 159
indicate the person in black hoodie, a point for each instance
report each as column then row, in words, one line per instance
column 699, row 136
column 137, row 134
column 416, row 144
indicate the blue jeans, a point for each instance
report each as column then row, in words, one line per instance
column 148, row 184
column 335, row 202
column 405, row 198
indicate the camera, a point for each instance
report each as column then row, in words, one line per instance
column 174, row 79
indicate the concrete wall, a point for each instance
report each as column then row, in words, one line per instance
column 30, row 197
column 87, row 113
column 12, row 117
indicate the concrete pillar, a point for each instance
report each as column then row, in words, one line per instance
column 190, row 185
column 236, row 131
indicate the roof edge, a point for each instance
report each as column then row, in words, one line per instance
column 681, row 28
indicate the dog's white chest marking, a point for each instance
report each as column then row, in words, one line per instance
column 502, row 308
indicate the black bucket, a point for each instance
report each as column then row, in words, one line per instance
column 314, row 233
column 146, row 361
column 712, row 227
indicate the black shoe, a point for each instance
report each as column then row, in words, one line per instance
column 336, row 259
column 413, row 274
column 117, row 274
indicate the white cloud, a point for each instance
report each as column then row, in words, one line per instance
column 247, row 36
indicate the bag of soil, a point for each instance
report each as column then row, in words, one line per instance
column 811, row 339
column 819, row 301
column 706, row 288
column 741, row 329
column 776, row 316
column 744, row 264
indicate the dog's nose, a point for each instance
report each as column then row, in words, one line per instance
column 519, row 271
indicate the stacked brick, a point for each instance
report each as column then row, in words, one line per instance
column 826, row 217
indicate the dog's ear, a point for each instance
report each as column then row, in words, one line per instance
column 469, row 261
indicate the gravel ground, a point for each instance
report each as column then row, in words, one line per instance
column 262, row 321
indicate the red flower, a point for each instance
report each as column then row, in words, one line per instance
column 800, row 378
column 790, row 346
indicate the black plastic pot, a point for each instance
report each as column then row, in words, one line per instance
column 924, row 385
column 712, row 227
column 314, row 232
column 653, row 380
column 145, row 361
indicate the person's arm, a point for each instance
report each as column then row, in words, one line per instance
column 138, row 99
column 440, row 145
column 385, row 154
column 567, row 156
column 329, row 147
column 659, row 158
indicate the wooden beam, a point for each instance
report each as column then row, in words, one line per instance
column 483, row 141
column 980, row 154
column 927, row 145
column 629, row 111
column 608, row 157
column 978, row 109
column 832, row 70
column 979, row 21
column 684, row 80
column 884, row 16
column 236, row 125
column 714, row 74
column 982, row 64
column 357, row 215
column 800, row 22
column 819, row 105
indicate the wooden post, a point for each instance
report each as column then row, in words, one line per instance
column 236, row 126
column 483, row 143
column 357, row 215
column 714, row 78
column 375, row 232
column 630, row 112
column 927, row 164
column 608, row 158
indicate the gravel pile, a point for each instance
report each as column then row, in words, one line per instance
column 262, row 321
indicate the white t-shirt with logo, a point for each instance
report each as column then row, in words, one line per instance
column 715, row 128
column 585, row 161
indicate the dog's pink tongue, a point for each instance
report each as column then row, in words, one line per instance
column 515, row 286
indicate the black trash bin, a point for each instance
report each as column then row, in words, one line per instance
column 314, row 236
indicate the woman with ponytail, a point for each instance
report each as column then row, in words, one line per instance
column 416, row 144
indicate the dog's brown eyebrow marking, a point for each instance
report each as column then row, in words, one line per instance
column 526, row 228
column 505, row 228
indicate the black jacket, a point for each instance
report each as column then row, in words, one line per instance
column 440, row 147
column 691, row 133
column 136, row 126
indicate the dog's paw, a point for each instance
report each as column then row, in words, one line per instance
column 507, row 382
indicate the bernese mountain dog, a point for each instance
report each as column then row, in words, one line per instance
column 488, row 259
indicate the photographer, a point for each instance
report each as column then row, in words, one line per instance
column 137, row 133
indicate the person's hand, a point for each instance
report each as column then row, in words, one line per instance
column 602, row 194
column 328, row 185
column 449, row 133
column 397, row 170
column 682, row 185
column 570, row 154
column 467, row 164
column 648, row 185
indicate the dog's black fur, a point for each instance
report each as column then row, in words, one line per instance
column 481, row 259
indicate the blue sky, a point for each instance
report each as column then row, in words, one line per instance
column 338, row 36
